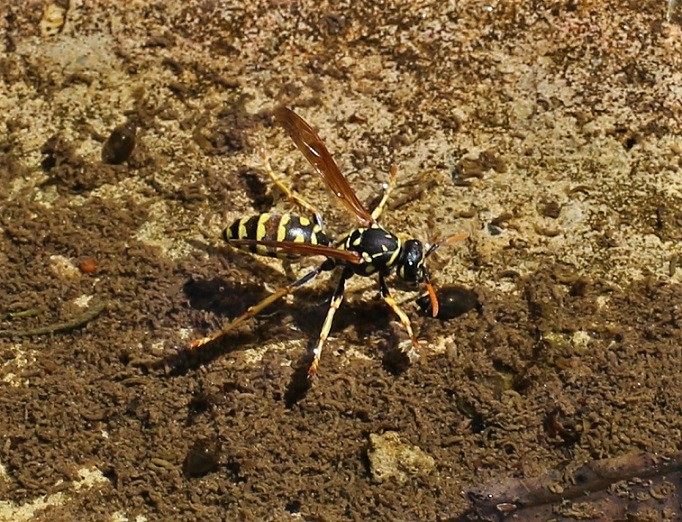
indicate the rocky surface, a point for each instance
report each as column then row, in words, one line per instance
column 129, row 131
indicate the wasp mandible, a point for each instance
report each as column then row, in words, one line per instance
column 366, row 250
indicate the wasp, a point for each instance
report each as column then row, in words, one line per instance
column 366, row 250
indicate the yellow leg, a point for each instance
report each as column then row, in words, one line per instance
column 336, row 301
column 257, row 308
column 294, row 198
column 387, row 192
column 390, row 301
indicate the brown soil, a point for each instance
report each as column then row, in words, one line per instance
column 550, row 132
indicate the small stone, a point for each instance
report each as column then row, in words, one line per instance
column 389, row 457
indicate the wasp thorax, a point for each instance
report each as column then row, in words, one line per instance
column 411, row 265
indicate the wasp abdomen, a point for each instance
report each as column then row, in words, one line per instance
column 269, row 227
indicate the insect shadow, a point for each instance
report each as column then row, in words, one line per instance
column 371, row 324
column 222, row 299
column 360, row 320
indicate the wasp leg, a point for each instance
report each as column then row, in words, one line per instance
column 387, row 192
column 257, row 308
column 390, row 301
column 334, row 305
column 294, row 198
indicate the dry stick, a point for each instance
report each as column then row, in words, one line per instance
column 554, row 486
column 412, row 196
column 76, row 322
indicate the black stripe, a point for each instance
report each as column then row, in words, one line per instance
column 251, row 227
column 231, row 232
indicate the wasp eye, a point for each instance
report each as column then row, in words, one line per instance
column 412, row 265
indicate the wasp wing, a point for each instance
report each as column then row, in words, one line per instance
column 304, row 249
column 315, row 151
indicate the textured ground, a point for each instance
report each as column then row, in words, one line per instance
column 550, row 131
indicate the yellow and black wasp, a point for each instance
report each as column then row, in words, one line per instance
column 366, row 250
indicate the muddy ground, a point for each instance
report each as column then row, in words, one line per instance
column 550, row 131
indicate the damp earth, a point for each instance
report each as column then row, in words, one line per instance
column 129, row 137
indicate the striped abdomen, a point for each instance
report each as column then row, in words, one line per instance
column 269, row 227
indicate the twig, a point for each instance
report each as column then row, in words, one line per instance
column 76, row 322
column 31, row 312
column 500, row 499
column 412, row 196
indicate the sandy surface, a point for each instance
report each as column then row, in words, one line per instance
column 551, row 132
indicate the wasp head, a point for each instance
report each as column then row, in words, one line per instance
column 411, row 265
column 412, row 268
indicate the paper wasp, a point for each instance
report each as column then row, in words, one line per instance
column 364, row 251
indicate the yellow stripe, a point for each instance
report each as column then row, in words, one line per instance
column 242, row 228
column 395, row 253
column 304, row 221
column 261, row 229
column 282, row 228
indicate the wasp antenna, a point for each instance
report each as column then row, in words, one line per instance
column 450, row 239
column 432, row 294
